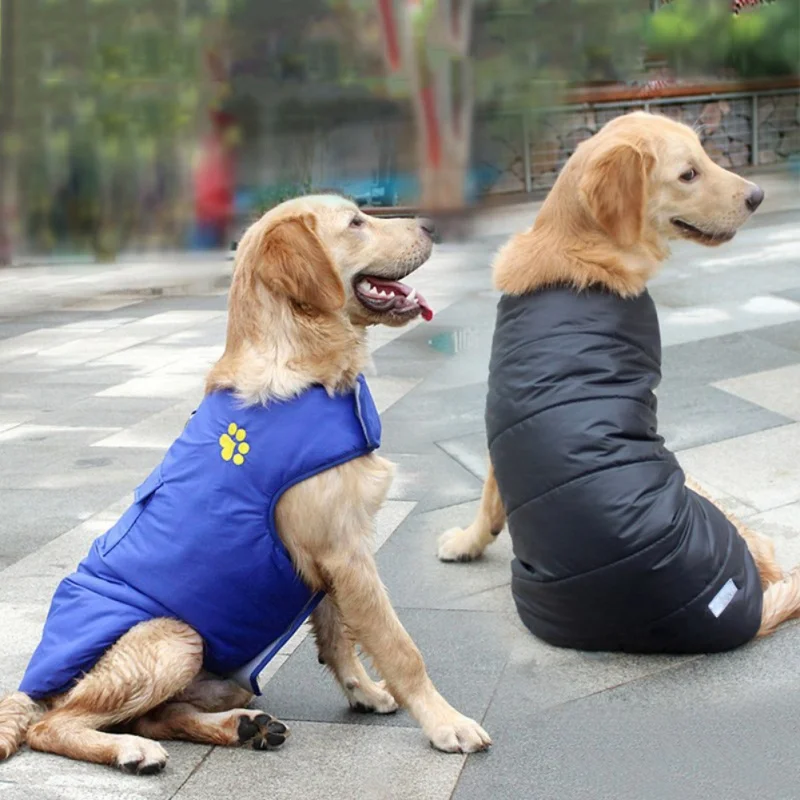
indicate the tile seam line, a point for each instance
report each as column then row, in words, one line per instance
column 791, row 423
column 758, row 512
column 92, row 361
column 146, row 341
column 669, row 668
column 482, row 721
column 104, row 510
column 458, row 461
column 193, row 771
column 431, row 509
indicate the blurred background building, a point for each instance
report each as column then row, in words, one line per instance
column 155, row 125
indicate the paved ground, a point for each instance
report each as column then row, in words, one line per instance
column 93, row 391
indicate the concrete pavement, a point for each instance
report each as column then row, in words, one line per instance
column 94, row 388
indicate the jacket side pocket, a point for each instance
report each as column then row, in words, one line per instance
column 141, row 497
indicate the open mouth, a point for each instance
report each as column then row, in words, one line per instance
column 690, row 232
column 383, row 296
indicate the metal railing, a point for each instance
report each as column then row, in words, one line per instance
column 740, row 130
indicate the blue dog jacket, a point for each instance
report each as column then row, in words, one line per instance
column 199, row 542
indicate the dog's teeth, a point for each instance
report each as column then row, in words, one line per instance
column 412, row 296
column 365, row 286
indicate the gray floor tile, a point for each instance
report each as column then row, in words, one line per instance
column 23, row 463
column 421, row 419
column 26, row 465
column 449, row 484
column 92, row 374
column 741, row 283
column 475, row 311
column 419, row 345
column 690, row 415
column 468, row 371
column 716, row 359
column 464, row 652
column 777, row 390
column 782, row 525
column 723, row 726
column 9, row 328
column 470, row 451
column 433, row 478
column 48, row 776
column 48, row 319
column 32, row 517
column 480, row 586
column 336, row 762
column 115, row 412
column 40, row 395
column 760, row 469
column 182, row 301
column 786, row 336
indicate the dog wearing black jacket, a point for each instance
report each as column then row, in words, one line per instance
column 613, row 551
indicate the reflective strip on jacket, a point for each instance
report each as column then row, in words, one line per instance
column 612, row 551
column 199, row 542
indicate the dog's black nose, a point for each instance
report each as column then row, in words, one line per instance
column 428, row 226
column 754, row 198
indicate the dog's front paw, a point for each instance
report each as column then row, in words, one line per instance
column 138, row 756
column 457, row 545
column 261, row 731
column 459, row 735
column 369, row 698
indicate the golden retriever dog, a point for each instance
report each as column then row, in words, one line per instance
column 310, row 277
column 582, row 539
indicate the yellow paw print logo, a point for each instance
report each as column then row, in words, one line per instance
column 234, row 446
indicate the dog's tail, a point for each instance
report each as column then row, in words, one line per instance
column 781, row 602
column 17, row 713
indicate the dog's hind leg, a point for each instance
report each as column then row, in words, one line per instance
column 781, row 602
column 208, row 692
column 148, row 665
column 459, row 544
column 761, row 548
column 238, row 726
column 336, row 649
column 210, row 711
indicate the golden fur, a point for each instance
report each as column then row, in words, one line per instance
column 294, row 320
column 607, row 222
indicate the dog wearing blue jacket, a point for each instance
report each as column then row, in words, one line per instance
column 259, row 515
column 613, row 550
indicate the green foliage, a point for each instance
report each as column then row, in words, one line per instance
column 705, row 38
column 109, row 92
column 528, row 51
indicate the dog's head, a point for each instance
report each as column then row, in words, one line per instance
column 638, row 183
column 645, row 176
column 324, row 255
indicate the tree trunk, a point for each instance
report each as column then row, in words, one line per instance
column 429, row 43
column 7, row 21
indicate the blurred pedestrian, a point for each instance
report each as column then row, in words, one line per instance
column 214, row 180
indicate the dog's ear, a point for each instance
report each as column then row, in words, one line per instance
column 292, row 261
column 614, row 187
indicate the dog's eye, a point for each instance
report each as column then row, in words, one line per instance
column 357, row 222
column 689, row 175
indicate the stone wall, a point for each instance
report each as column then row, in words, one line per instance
column 725, row 126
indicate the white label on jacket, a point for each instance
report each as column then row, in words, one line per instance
column 723, row 598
